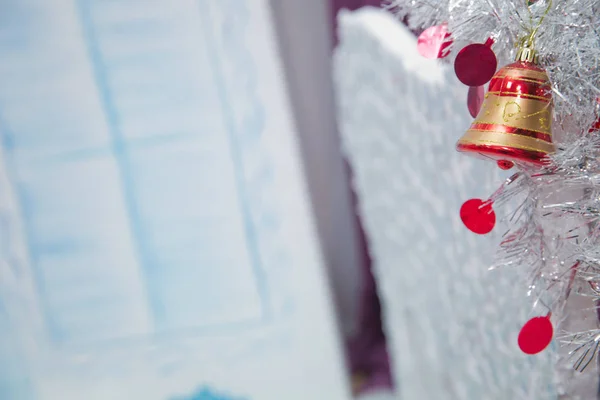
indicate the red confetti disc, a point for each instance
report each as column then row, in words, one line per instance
column 434, row 42
column 475, row 99
column 596, row 125
column 475, row 64
column 505, row 164
column 535, row 335
column 478, row 216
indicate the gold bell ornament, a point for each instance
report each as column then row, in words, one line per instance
column 514, row 123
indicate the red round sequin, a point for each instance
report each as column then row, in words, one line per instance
column 475, row 99
column 535, row 335
column 434, row 42
column 478, row 216
column 505, row 164
column 475, row 64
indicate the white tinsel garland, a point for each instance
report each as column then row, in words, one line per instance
column 552, row 212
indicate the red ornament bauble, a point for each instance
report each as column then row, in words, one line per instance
column 478, row 216
column 475, row 64
column 535, row 335
column 434, row 42
column 515, row 120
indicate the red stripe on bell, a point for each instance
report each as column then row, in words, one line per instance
column 512, row 130
column 506, row 86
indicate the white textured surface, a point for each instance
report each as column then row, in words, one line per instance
column 452, row 324
column 377, row 395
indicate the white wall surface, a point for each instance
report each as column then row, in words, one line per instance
column 156, row 236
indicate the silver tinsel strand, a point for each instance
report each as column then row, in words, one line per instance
column 552, row 213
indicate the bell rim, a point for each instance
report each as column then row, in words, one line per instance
column 499, row 152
